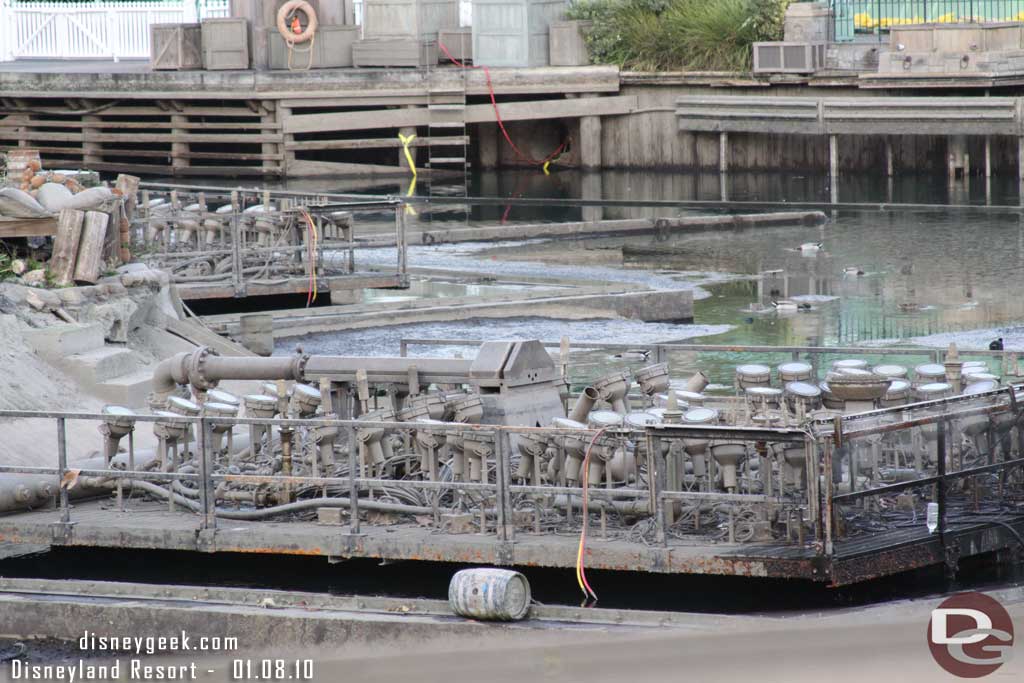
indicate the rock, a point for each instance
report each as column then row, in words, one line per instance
column 18, row 267
column 41, row 299
column 72, row 296
column 34, row 300
column 13, row 294
column 143, row 278
column 34, row 278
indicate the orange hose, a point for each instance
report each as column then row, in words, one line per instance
column 311, row 243
column 581, row 573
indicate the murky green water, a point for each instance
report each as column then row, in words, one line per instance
column 878, row 276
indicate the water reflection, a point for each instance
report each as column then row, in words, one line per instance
column 878, row 276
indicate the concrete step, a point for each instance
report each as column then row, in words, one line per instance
column 129, row 390
column 57, row 342
column 99, row 365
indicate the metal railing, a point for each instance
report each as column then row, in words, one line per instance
column 688, row 361
column 854, row 19
column 200, row 246
column 872, row 449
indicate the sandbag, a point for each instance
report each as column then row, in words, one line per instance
column 54, row 196
column 17, row 204
column 93, row 198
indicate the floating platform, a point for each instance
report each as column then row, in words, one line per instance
column 473, row 461
column 149, row 526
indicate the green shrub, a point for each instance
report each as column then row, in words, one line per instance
column 692, row 35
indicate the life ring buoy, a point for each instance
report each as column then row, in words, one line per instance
column 288, row 9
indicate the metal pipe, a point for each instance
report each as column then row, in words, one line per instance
column 203, row 369
column 378, row 369
column 298, row 506
column 584, row 404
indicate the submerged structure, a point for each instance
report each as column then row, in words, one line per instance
column 493, row 460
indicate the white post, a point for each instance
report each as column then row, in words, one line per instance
column 114, row 35
column 189, row 12
column 5, row 30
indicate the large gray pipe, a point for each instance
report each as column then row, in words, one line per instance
column 203, row 369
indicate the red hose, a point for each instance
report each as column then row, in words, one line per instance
column 497, row 114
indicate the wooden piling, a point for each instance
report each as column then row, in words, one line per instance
column 89, row 264
column 179, row 148
column 723, row 152
column 988, row 156
column 833, row 155
column 590, row 142
column 833, row 165
column 65, row 246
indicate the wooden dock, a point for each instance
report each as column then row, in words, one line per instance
column 265, row 123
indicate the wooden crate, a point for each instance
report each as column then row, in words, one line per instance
column 459, row 42
column 403, row 52
column 567, row 42
column 225, row 44
column 514, row 32
column 175, row 47
column 332, row 48
column 419, row 20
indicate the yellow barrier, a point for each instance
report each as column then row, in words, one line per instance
column 863, row 20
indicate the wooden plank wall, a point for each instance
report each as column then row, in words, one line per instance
column 226, row 138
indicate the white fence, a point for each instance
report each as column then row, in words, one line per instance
column 116, row 29
column 93, row 30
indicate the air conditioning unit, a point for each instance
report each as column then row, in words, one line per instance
column 788, row 58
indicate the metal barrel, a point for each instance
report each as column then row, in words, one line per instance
column 489, row 594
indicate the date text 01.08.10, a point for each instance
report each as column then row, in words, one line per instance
column 272, row 669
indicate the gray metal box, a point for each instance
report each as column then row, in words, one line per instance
column 175, row 46
column 458, row 41
column 514, row 32
column 567, row 42
column 792, row 58
column 332, row 48
column 401, row 52
column 415, row 19
column 225, row 44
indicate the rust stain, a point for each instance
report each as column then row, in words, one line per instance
column 281, row 550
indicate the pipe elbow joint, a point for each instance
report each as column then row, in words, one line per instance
column 170, row 373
